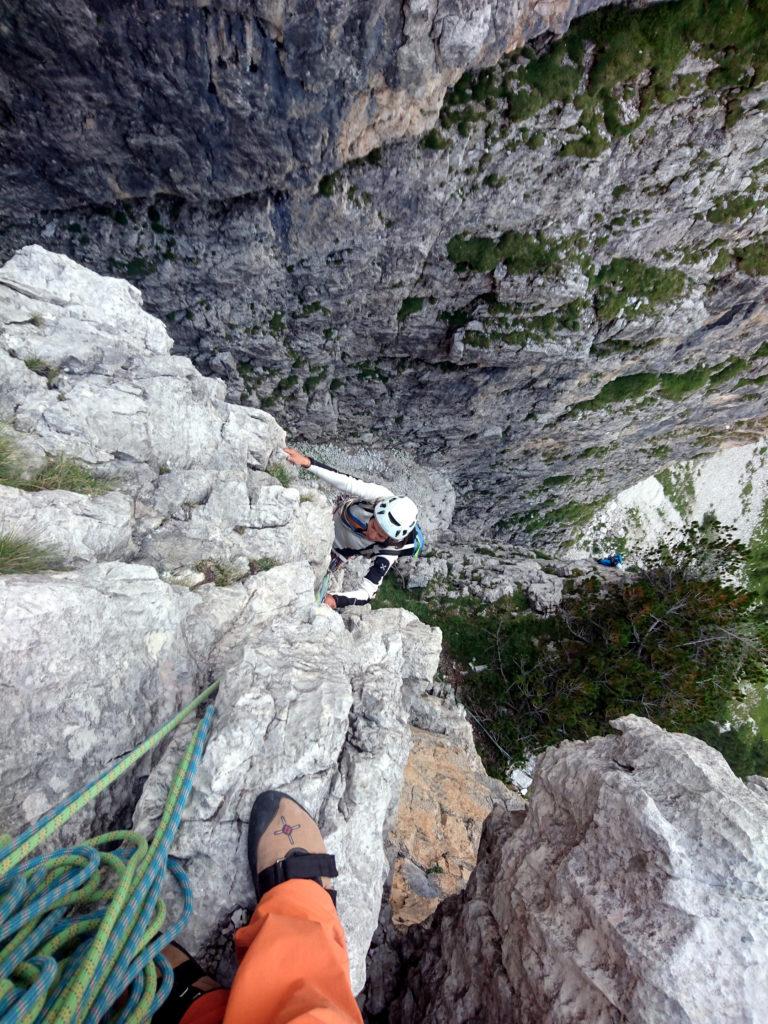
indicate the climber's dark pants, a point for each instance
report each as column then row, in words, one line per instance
column 293, row 968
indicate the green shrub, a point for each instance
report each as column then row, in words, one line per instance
column 753, row 259
column 520, row 253
column 620, row 389
column 479, row 254
column 328, row 184
column 732, row 207
column 674, row 386
column 434, row 140
column 728, row 371
column 757, row 560
column 632, row 288
column 276, row 323
column 670, row 642
column 20, row 555
column 413, row 304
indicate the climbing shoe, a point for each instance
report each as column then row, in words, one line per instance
column 284, row 842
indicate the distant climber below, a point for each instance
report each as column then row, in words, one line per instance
column 369, row 522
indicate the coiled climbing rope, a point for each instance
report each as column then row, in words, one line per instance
column 82, row 929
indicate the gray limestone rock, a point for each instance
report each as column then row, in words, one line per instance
column 95, row 659
column 79, row 527
column 87, row 374
column 632, row 889
column 493, row 573
column 92, row 662
column 239, row 97
column 317, row 710
column 335, row 302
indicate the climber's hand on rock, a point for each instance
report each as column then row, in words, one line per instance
column 297, row 458
column 330, row 600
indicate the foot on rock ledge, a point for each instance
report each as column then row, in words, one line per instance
column 284, row 842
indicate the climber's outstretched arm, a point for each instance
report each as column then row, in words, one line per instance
column 341, row 481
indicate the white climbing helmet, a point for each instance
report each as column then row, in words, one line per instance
column 396, row 516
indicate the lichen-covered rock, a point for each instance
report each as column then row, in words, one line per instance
column 633, row 889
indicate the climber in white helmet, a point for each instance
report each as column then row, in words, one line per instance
column 373, row 523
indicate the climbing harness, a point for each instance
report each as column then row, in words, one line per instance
column 80, row 928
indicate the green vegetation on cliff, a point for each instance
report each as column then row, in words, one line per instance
column 753, row 259
column 21, row 555
column 631, row 288
column 520, row 253
column 626, row 55
column 59, row 473
column 671, row 642
column 671, row 386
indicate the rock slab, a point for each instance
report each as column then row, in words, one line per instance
column 633, row 889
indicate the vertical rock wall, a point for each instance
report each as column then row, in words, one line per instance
column 632, row 889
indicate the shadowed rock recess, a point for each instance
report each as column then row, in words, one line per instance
column 554, row 291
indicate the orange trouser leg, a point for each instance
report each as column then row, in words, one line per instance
column 293, row 968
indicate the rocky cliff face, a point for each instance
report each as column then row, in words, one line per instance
column 230, row 99
column 556, row 291
column 631, row 886
column 97, row 653
column 632, row 889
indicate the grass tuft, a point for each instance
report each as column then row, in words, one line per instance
column 280, row 473
column 42, row 369
column 222, row 574
column 63, row 474
column 19, row 555
column 262, row 565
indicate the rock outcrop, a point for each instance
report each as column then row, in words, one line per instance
column 632, row 889
column 530, row 578
column 95, row 657
column 238, row 98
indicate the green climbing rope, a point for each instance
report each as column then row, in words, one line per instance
column 81, row 929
